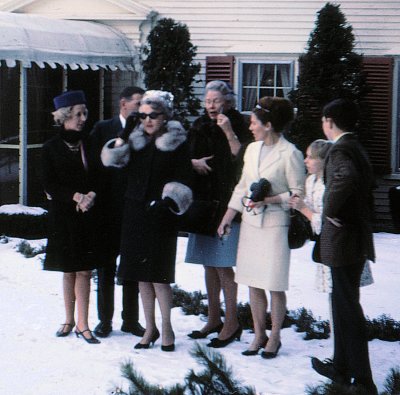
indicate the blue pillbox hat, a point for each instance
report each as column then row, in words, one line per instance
column 68, row 99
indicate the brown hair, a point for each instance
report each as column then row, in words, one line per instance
column 277, row 110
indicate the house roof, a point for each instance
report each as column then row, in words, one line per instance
column 33, row 38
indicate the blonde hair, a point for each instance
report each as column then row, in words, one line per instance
column 319, row 148
column 61, row 115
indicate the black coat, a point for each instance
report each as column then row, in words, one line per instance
column 348, row 197
column 70, row 245
column 206, row 138
column 148, row 240
column 110, row 200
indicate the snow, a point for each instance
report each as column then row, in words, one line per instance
column 11, row 209
column 34, row 361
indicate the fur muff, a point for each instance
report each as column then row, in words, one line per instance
column 168, row 141
column 115, row 156
column 181, row 194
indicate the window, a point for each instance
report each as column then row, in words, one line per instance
column 263, row 79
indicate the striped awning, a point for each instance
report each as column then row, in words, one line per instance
column 35, row 39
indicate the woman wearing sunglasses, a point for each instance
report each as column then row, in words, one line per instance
column 159, row 172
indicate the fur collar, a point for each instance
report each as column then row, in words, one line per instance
column 174, row 136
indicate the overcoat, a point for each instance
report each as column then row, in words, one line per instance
column 206, row 138
column 157, row 168
column 70, row 245
column 263, row 253
column 110, row 201
column 348, row 198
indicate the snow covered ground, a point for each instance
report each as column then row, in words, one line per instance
column 34, row 361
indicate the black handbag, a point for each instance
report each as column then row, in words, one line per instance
column 202, row 217
column 299, row 229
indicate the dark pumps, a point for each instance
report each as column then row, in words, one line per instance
column 169, row 348
column 90, row 340
column 218, row 343
column 248, row 353
column 65, row 330
column 271, row 354
column 202, row 335
column 154, row 337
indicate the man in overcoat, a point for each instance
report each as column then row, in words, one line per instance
column 345, row 245
column 111, row 205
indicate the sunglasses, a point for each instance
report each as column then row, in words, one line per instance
column 152, row 115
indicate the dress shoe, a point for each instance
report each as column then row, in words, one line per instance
column 367, row 386
column 271, row 354
column 203, row 335
column 218, row 343
column 248, row 353
column 103, row 329
column 135, row 328
column 154, row 337
column 65, row 330
column 168, row 348
column 90, row 340
column 325, row 368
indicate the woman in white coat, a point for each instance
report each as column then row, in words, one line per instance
column 263, row 252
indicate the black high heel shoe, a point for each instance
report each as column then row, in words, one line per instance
column 62, row 333
column 153, row 339
column 255, row 352
column 203, row 335
column 169, row 347
column 90, row 340
column 271, row 354
column 218, row 343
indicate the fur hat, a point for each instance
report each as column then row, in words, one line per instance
column 69, row 99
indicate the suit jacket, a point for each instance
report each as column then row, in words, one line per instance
column 283, row 168
column 348, row 197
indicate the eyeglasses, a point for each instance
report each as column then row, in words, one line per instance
column 152, row 115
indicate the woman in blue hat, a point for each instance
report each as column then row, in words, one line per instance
column 68, row 182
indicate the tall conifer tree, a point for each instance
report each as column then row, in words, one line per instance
column 168, row 64
column 329, row 69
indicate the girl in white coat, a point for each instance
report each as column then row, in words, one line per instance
column 263, row 252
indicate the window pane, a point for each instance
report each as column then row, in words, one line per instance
column 9, row 176
column 42, row 86
column 250, row 74
column 267, row 75
column 249, row 99
column 283, row 76
column 266, row 92
column 36, row 196
column 9, row 105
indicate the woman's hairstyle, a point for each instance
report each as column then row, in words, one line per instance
column 319, row 148
column 160, row 101
column 225, row 89
column 343, row 112
column 277, row 110
column 62, row 114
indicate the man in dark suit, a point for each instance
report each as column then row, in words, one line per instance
column 111, row 203
column 346, row 244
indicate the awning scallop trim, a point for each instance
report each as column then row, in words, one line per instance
column 77, row 44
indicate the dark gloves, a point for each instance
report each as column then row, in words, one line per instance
column 131, row 122
column 160, row 213
column 165, row 204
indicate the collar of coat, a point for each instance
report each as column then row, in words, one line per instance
column 170, row 140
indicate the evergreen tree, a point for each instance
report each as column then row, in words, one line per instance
column 330, row 69
column 168, row 65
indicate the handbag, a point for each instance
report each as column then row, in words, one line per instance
column 202, row 217
column 299, row 229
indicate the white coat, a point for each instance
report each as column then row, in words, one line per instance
column 263, row 251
